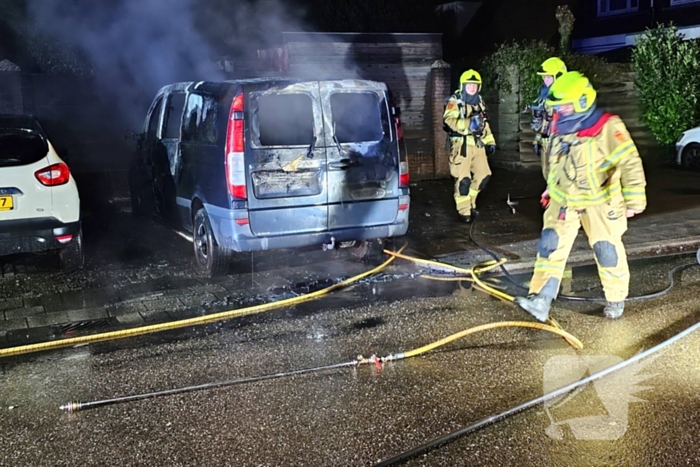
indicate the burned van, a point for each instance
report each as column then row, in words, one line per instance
column 263, row 164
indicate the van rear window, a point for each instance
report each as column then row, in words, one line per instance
column 19, row 147
column 356, row 117
column 285, row 120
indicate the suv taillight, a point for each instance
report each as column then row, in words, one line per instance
column 235, row 150
column 53, row 175
column 404, row 177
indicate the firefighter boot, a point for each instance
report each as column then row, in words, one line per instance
column 613, row 310
column 466, row 219
column 536, row 304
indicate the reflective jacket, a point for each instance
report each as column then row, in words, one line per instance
column 596, row 165
column 458, row 116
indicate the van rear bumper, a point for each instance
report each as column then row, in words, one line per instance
column 240, row 238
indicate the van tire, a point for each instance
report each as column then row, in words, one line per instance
column 72, row 256
column 213, row 259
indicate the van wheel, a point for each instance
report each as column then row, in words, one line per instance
column 212, row 258
column 72, row 257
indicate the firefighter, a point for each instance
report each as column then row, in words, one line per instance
column 550, row 70
column 471, row 141
column 595, row 180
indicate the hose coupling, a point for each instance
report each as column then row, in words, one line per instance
column 72, row 406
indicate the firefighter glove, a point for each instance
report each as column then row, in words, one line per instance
column 537, row 148
column 490, row 149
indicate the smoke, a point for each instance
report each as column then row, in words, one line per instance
column 134, row 47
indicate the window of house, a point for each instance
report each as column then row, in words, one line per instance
column 613, row 7
column 682, row 2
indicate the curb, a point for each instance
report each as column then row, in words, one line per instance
column 581, row 258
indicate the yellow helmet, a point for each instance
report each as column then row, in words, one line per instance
column 470, row 76
column 554, row 67
column 572, row 88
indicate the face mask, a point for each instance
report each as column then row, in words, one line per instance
column 578, row 121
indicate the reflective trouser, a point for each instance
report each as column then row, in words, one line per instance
column 604, row 225
column 471, row 172
column 544, row 156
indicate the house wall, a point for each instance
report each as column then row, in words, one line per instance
column 511, row 126
column 589, row 24
column 403, row 61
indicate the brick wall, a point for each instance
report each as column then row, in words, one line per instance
column 81, row 121
column 440, row 87
column 10, row 93
column 421, row 165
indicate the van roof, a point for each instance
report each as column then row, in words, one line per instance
column 218, row 85
column 222, row 86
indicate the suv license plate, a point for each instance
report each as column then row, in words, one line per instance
column 6, row 203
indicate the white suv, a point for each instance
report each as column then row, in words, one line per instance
column 39, row 201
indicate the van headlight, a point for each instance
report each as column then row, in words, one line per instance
column 680, row 137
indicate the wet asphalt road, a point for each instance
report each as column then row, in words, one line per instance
column 360, row 416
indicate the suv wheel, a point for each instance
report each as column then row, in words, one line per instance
column 72, row 257
column 691, row 156
column 212, row 258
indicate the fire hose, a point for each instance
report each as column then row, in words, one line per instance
column 360, row 360
column 474, row 272
column 153, row 328
column 484, row 422
column 224, row 315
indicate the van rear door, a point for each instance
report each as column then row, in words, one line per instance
column 286, row 159
column 363, row 165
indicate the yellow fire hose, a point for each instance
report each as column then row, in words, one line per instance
column 473, row 276
column 247, row 311
column 360, row 360
column 153, row 328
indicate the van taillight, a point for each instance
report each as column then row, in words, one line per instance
column 235, row 150
column 404, row 177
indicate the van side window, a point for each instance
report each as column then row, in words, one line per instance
column 200, row 119
column 285, row 119
column 176, row 104
column 155, row 120
column 356, row 116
